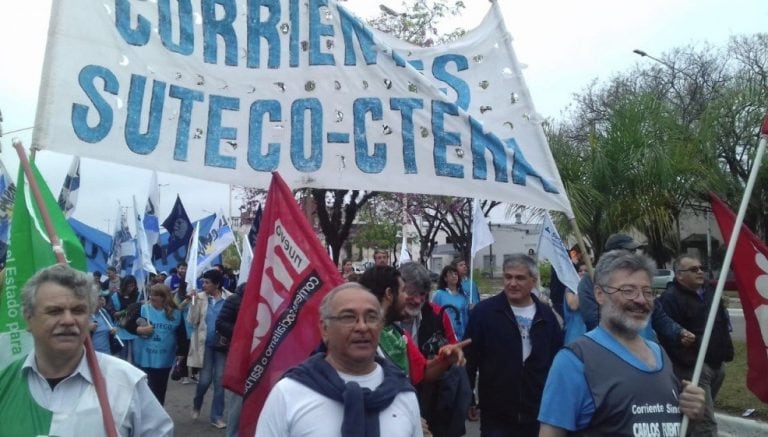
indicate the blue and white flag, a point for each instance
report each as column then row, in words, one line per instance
column 122, row 243
column 212, row 245
column 481, row 233
column 151, row 221
column 246, row 259
column 70, row 189
column 143, row 260
column 179, row 227
column 7, row 197
column 552, row 248
column 191, row 277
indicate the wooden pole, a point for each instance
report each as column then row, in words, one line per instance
column 58, row 250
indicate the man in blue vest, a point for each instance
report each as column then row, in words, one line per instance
column 611, row 381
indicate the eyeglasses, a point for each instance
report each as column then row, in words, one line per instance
column 350, row 319
column 628, row 292
column 694, row 269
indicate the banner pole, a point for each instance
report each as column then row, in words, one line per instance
column 58, row 251
column 580, row 241
column 727, row 260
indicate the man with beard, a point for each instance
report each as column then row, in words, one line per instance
column 612, row 381
column 687, row 301
column 396, row 344
column 177, row 278
column 514, row 339
column 443, row 403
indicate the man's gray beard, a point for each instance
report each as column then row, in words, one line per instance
column 412, row 313
column 620, row 323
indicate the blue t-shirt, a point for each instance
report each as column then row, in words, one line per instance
column 567, row 401
column 459, row 301
column 100, row 336
column 214, row 307
column 574, row 323
column 157, row 351
column 470, row 291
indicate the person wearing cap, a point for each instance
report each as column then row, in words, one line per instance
column 661, row 323
column 611, row 381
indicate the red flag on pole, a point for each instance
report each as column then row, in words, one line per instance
column 750, row 269
column 278, row 323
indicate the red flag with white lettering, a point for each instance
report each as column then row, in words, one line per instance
column 278, row 323
column 750, row 269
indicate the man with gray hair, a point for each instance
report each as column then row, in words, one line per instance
column 51, row 391
column 612, row 381
column 348, row 391
column 514, row 339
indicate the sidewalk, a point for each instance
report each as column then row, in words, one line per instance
column 739, row 427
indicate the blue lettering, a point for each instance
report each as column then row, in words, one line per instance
column 137, row 142
column 368, row 163
column 316, row 30
column 263, row 29
column 134, row 37
column 482, row 141
column 217, row 132
column 293, row 44
column 188, row 98
column 406, row 107
column 186, row 43
column 350, row 25
column 522, row 168
column 315, row 159
column 445, row 139
column 86, row 79
column 213, row 28
column 458, row 85
column 257, row 160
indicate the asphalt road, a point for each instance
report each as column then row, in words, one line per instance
column 737, row 323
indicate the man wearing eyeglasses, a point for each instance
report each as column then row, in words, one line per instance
column 611, row 381
column 348, row 391
column 688, row 301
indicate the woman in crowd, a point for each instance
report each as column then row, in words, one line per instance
column 347, row 269
column 160, row 335
column 572, row 319
column 449, row 293
column 121, row 309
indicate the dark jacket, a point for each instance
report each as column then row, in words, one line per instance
column 691, row 312
column 225, row 321
column 510, row 391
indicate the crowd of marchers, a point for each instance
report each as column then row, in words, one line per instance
column 398, row 357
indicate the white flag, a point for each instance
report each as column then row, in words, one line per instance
column 404, row 255
column 246, row 258
column 151, row 221
column 552, row 248
column 68, row 194
column 212, row 245
column 191, row 277
column 143, row 254
column 481, row 233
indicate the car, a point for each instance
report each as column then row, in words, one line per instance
column 662, row 278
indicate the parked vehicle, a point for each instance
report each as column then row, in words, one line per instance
column 730, row 281
column 662, row 278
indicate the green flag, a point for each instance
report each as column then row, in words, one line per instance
column 30, row 250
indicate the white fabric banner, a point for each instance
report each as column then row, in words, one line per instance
column 481, row 232
column 551, row 247
column 231, row 93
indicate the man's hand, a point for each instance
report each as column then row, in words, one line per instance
column 692, row 400
column 453, row 353
column 687, row 338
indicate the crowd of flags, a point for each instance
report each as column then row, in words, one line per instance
column 22, row 233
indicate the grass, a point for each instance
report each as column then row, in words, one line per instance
column 734, row 396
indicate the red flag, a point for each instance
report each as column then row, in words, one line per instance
column 750, row 268
column 278, row 323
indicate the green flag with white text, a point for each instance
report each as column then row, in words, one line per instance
column 29, row 250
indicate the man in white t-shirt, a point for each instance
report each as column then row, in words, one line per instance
column 514, row 339
column 325, row 396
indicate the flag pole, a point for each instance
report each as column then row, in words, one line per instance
column 58, row 251
column 727, row 260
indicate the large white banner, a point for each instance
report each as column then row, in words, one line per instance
column 230, row 91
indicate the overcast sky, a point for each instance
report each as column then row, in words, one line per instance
column 565, row 45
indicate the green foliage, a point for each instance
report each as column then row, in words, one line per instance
column 545, row 273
